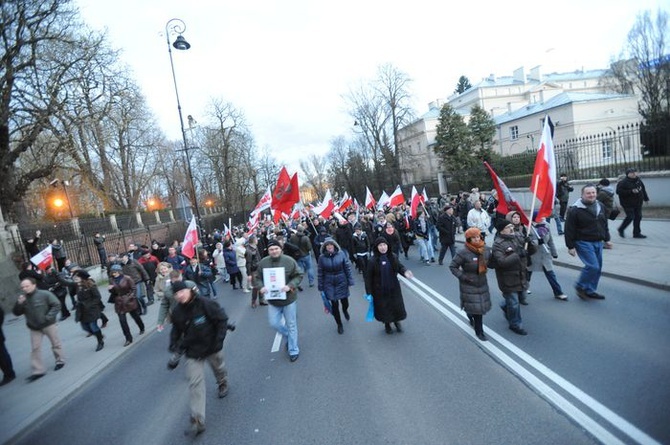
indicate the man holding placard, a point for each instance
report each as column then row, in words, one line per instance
column 278, row 277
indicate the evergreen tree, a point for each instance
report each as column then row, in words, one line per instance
column 482, row 129
column 462, row 85
column 452, row 141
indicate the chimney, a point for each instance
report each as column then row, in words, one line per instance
column 536, row 73
column 519, row 75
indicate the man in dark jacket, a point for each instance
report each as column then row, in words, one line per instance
column 563, row 189
column 40, row 308
column 199, row 327
column 300, row 239
column 585, row 232
column 632, row 194
column 447, row 225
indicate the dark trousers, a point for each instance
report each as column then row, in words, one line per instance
column 63, row 305
column 336, row 309
column 237, row 276
column 362, row 263
column 477, row 322
column 443, row 251
column 634, row 215
column 551, row 279
column 6, row 362
column 124, row 323
column 563, row 206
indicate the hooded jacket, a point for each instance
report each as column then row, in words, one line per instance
column 334, row 272
column 583, row 225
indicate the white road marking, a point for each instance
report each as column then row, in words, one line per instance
column 276, row 343
column 599, row 432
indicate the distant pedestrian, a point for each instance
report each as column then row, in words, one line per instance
column 6, row 365
column 606, row 198
column 563, row 189
column 381, row 281
column 199, row 327
column 632, row 194
column 334, row 279
column 41, row 309
column 585, row 232
column 99, row 241
column 469, row 266
column 122, row 294
column 447, row 226
column 32, row 244
column 89, row 305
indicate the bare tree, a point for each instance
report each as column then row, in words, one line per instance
column 314, row 173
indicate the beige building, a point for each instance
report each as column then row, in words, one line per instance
column 577, row 102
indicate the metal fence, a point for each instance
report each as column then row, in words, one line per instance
column 603, row 155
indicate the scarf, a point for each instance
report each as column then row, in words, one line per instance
column 478, row 247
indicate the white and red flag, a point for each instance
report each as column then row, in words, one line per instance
column 190, row 240
column 253, row 222
column 424, row 196
column 325, row 209
column 384, row 199
column 397, row 198
column 506, row 202
column 226, row 232
column 544, row 173
column 415, row 201
column 345, row 202
column 43, row 259
column 370, row 202
column 264, row 203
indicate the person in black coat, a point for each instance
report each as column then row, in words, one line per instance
column 343, row 236
column 447, row 226
column 632, row 194
column 89, row 305
column 381, row 281
column 199, row 327
column 5, row 360
column 335, row 279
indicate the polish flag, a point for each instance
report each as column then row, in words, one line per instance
column 43, row 259
column 253, row 221
column 264, row 203
column 190, row 240
column 396, row 198
column 506, row 202
column 370, row 202
column 325, row 209
column 341, row 219
column 226, row 232
column 544, row 173
column 414, row 202
column 345, row 202
column 424, row 196
column 384, row 199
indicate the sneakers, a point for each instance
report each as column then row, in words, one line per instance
column 518, row 330
column 561, row 297
column 294, row 357
column 223, row 390
column 196, row 428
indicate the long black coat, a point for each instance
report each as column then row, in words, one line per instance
column 89, row 302
column 447, row 226
column 474, row 288
column 510, row 259
column 334, row 272
column 388, row 303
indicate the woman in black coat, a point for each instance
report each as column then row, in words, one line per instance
column 335, row 279
column 381, row 281
column 89, row 305
column 469, row 266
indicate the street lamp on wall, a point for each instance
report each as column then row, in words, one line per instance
column 177, row 26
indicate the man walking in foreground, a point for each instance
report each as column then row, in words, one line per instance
column 585, row 232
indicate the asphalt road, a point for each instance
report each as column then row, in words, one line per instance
column 588, row 372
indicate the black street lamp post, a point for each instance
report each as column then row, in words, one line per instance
column 177, row 26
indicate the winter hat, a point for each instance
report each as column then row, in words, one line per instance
column 509, row 215
column 82, row 274
column 631, row 170
column 116, row 268
column 501, row 224
column 177, row 286
column 472, row 232
column 274, row 242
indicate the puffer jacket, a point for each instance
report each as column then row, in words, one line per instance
column 510, row 259
column 198, row 328
column 473, row 287
column 334, row 272
column 40, row 308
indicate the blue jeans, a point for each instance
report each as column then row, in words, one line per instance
column 551, row 278
column 434, row 238
column 306, row 263
column 425, row 248
column 287, row 328
column 559, row 226
column 512, row 309
column 91, row 327
column 591, row 254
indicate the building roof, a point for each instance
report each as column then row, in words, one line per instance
column 557, row 101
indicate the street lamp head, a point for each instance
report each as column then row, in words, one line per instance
column 181, row 43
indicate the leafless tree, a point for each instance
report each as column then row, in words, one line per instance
column 314, row 173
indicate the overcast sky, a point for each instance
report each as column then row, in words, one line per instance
column 287, row 64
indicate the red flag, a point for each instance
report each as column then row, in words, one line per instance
column 43, row 259
column 414, row 202
column 326, row 207
column 397, row 198
column 286, row 192
column 370, row 202
column 544, row 173
column 264, row 203
column 190, row 240
column 506, row 202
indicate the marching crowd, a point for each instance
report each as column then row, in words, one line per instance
column 367, row 242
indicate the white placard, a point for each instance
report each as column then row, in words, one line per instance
column 274, row 279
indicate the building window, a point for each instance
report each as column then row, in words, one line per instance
column 607, row 149
column 514, row 133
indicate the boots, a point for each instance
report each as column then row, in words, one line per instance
column 397, row 326
column 101, row 344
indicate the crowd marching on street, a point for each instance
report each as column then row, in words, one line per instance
column 328, row 246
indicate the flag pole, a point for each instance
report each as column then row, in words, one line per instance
column 532, row 205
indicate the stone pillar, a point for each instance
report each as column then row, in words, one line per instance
column 138, row 218
column 114, row 224
column 171, row 213
column 158, row 216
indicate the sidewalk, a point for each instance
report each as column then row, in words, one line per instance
column 642, row 261
column 23, row 403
